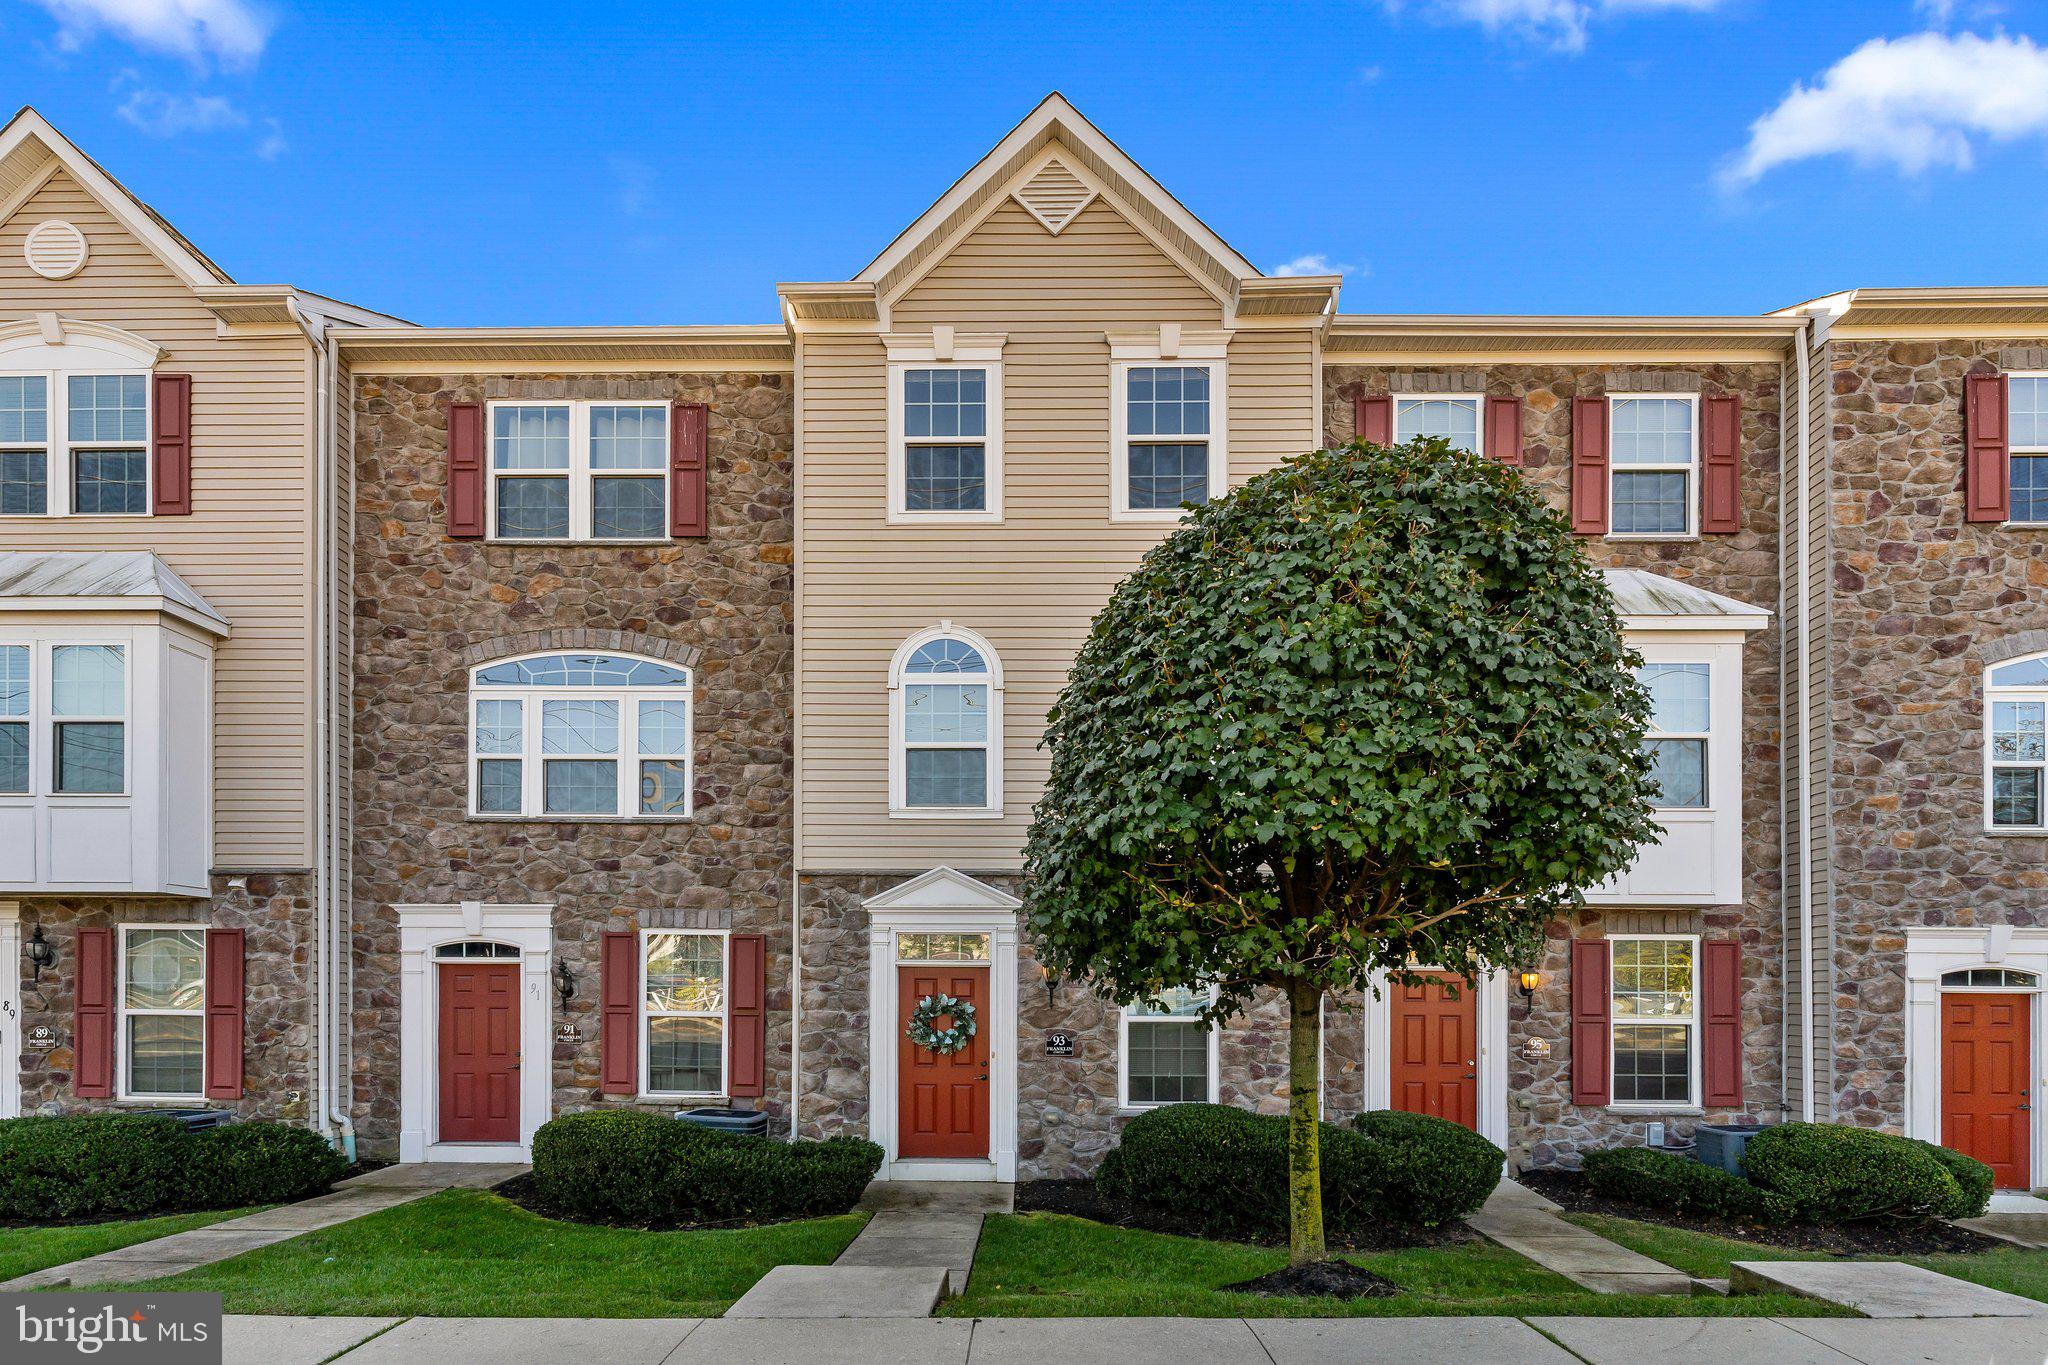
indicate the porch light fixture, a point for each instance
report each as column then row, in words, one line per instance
column 1529, row 981
column 565, row 984
column 40, row 954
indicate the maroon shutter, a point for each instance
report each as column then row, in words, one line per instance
column 1721, row 1018
column 223, row 1014
column 170, row 445
column 466, row 470
column 689, row 460
column 618, row 1026
column 746, row 993
column 1720, row 465
column 1590, row 1006
column 1504, row 429
column 1986, row 469
column 92, row 1016
column 1373, row 419
column 1589, row 466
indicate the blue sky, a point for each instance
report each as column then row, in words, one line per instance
column 628, row 163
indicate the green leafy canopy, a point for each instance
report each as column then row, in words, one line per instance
column 1372, row 708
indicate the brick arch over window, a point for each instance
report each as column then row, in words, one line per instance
column 575, row 638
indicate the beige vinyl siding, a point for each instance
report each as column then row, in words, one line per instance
column 246, row 545
column 1029, row 585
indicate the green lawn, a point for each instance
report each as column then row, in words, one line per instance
column 1049, row 1265
column 467, row 1253
column 26, row 1249
column 2016, row 1270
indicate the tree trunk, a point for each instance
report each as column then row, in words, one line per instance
column 1304, row 1115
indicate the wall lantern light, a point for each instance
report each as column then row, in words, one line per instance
column 1529, row 981
column 565, row 984
column 40, row 954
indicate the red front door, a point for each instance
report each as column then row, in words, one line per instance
column 479, row 1052
column 942, row 1102
column 1436, row 1050
column 1984, row 1066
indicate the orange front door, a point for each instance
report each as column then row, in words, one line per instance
column 942, row 1102
column 479, row 1052
column 1984, row 1066
column 1436, row 1050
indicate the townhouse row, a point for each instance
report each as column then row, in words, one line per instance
column 419, row 732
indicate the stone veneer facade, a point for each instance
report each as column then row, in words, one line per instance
column 429, row 608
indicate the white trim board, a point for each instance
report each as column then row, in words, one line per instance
column 1929, row 954
column 10, row 1009
column 1490, row 1008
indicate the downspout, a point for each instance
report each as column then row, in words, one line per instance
column 796, row 728
column 1803, row 540
column 335, row 1114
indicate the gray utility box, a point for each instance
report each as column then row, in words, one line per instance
column 749, row 1121
column 197, row 1119
column 1720, row 1144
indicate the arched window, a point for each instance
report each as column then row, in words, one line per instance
column 945, row 724
column 2016, row 743
column 580, row 737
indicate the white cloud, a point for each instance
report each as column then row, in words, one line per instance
column 1314, row 263
column 230, row 31
column 1938, row 12
column 1916, row 104
column 161, row 114
column 1561, row 24
column 272, row 144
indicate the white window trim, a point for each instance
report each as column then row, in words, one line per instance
column 724, row 1016
column 899, row 809
column 2012, row 451
column 941, row 349
column 1708, row 775
column 1125, row 1017
column 532, row 774
column 1477, row 402
column 60, row 452
column 1992, row 695
column 1694, row 1028
column 43, row 720
column 122, row 1013
column 579, row 472
column 1169, row 344
column 1691, row 470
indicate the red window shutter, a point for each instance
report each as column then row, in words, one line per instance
column 1589, row 466
column 1720, row 465
column 466, row 470
column 170, row 445
column 1590, row 1025
column 746, row 993
column 1373, row 420
column 1986, row 468
column 224, row 996
column 1721, row 1019
column 618, row 1025
column 689, row 462
column 1504, row 429
column 92, row 1016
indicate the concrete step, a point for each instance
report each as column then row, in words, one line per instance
column 844, row 1291
column 1881, row 1289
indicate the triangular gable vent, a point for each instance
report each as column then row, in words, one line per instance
column 1055, row 196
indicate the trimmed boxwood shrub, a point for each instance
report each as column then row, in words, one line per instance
column 128, row 1165
column 1676, row 1184
column 644, row 1170
column 1974, row 1180
column 239, row 1164
column 1834, row 1173
column 1226, row 1169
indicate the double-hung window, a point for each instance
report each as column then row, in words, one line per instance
column 1681, row 728
column 15, row 764
column 1455, row 420
column 946, row 460
column 1655, row 1020
column 75, row 742
column 683, row 1013
column 163, row 1011
column 1169, row 1053
column 2027, row 432
column 1653, row 460
column 579, row 471
column 74, row 444
column 1168, row 438
column 2016, row 744
column 947, row 719
column 581, row 736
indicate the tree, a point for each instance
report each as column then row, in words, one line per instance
column 1369, row 710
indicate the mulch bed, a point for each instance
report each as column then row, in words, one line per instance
column 1320, row 1280
column 520, row 1190
column 1080, row 1199
column 1570, row 1190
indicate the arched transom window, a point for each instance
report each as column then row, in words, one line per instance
column 2016, row 743
column 581, row 737
column 946, row 723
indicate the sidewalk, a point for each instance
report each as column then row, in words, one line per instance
column 1131, row 1341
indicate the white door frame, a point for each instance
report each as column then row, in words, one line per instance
column 1490, row 1009
column 422, row 929
column 1929, row 954
column 946, row 902
column 10, row 1009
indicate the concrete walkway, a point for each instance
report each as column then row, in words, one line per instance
column 1131, row 1341
column 1525, row 1222
column 1881, row 1289
column 2017, row 1218
column 372, row 1192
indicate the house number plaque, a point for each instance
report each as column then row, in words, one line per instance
column 41, row 1038
column 1059, row 1043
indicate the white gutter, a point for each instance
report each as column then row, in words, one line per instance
column 1802, row 538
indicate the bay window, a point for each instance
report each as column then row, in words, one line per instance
column 1681, row 727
